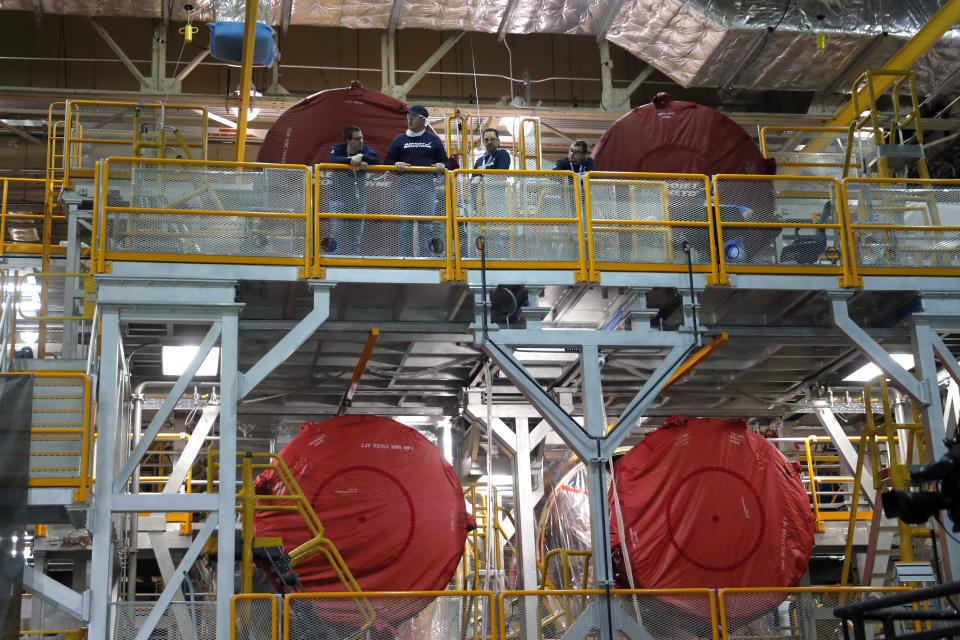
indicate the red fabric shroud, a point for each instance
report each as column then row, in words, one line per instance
column 672, row 136
column 388, row 501
column 710, row 503
column 304, row 133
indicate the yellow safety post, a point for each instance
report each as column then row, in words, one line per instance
column 246, row 77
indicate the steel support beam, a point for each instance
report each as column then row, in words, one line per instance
column 185, row 460
column 394, row 17
column 874, row 352
column 388, row 63
column 164, row 411
column 525, row 501
column 508, row 12
column 931, row 415
column 401, row 91
column 52, row 592
column 173, row 587
column 193, row 64
column 229, row 399
column 290, row 342
column 847, row 453
column 108, row 405
column 144, row 83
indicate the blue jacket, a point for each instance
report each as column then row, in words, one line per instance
column 563, row 164
column 338, row 154
column 500, row 159
column 348, row 186
column 421, row 151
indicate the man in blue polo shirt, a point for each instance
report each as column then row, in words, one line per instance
column 416, row 191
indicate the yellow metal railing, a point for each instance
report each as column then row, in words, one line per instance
column 903, row 226
column 888, row 128
column 831, row 493
column 254, row 615
column 68, row 634
column 816, row 151
column 368, row 217
column 293, row 499
column 528, row 220
column 204, row 211
column 805, row 612
column 643, row 222
column 96, row 130
column 37, row 222
column 425, row 615
column 754, row 214
column 659, row 613
column 62, row 440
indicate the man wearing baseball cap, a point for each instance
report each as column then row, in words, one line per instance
column 416, row 191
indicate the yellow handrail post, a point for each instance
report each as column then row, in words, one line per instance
column 248, row 502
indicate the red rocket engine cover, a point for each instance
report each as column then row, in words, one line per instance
column 672, row 136
column 304, row 133
column 710, row 503
column 388, row 501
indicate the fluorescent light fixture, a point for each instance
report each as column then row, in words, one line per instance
column 870, row 371
column 499, row 480
column 545, row 354
column 176, row 359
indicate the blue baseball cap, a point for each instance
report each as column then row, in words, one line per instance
column 419, row 110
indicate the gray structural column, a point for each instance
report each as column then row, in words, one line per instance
column 229, row 397
column 101, row 561
column 922, row 388
column 931, row 415
column 593, row 423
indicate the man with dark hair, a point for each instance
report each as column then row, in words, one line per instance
column 495, row 157
column 348, row 191
column 577, row 159
column 416, row 191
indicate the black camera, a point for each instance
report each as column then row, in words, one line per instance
column 916, row 507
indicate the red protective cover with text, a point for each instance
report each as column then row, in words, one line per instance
column 673, row 136
column 710, row 503
column 304, row 133
column 388, row 501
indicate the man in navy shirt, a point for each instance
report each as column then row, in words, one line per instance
column 348, row 191
column 495, row 157
column 577, row 159
column 416, row 191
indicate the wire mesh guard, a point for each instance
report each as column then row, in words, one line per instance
column 805, row 614
column 255, row 618
column 182, row 208
column 631, row 615
column 779, row 221
column 179, row 621
column 467, row 617
column 379, row 213
column 99, row 131
column 905, row 224
column 624, row 212
column 503, row 208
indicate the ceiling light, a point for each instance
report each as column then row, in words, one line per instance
column 176, row 359
column 870, row 371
